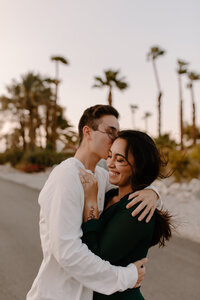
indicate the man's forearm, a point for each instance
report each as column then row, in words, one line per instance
column 99, row 275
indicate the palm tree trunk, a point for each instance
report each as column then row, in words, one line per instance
column 181, row 112
column 181, row 123
column 54, row 129
column 31, row 128
column 159, row 96
column 35, row 125
column 22, row 131
column 194, row 124
column 159, row 114
column 110, row 97
column 156, row 75
column 47, row 125
column 193, row 115
column 54, row 133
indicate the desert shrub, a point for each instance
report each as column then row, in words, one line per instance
column 45, row 158
column 195, row 153
column 15, row 156
column 12, row 156
column 165, row 141
column 33, row 161
column 3, row 158
column 183, row 165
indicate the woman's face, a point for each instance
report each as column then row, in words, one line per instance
column 120, row 171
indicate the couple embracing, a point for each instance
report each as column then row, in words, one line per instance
column 96, row 226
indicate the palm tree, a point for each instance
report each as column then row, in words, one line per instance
column 111, row 79
column 153, row 54
column 32, row 85
column 49, row 113
column 16, row 99
column 145, row 117
column 133, row 110
column 57, row 60
column 193, row 77
column 23, row 102
column 181, row 70
column 27, row 104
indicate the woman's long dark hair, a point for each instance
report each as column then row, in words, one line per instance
column 145, row 169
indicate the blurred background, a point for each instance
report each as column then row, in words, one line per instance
column 59, row 57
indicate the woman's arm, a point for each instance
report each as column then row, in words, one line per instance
column 121, row 232
column 121, row 235
column 92, row 226
column 90, row 187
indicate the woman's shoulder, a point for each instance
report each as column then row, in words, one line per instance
column 128, row 211
column 111, row 193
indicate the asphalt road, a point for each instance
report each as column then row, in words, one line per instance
column 173, row 273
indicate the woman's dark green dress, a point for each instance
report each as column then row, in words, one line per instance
column 120, row 239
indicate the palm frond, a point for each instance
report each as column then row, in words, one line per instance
column 155, row 51
column 121, row 84
column 97, row 86
column 100, row 82
column 60, row 59
column 193, row 76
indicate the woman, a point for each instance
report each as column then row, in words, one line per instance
column 134, row 163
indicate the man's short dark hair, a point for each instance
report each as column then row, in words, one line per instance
column 91, row 116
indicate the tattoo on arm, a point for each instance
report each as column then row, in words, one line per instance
column 91, row 213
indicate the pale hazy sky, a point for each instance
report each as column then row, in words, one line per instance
column 96, row 35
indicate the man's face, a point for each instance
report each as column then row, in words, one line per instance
column 105, row 134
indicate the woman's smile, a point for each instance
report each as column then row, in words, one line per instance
column 113, row 173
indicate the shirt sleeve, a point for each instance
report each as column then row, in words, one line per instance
column 159, row 201
column 116, row 239
column 61, row 202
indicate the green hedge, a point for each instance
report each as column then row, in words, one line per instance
column 14, row 157
column 45, row 158
column 185, row 164
column 33, row 161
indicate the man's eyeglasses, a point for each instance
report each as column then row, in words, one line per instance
column 111, row 134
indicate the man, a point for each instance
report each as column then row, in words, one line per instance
column 69, row 270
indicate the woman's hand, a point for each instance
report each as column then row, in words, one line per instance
column 90, row 187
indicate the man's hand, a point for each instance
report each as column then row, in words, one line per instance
column 148, row 199
column 141, row 271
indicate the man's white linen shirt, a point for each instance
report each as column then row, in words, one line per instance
column 69, row 270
